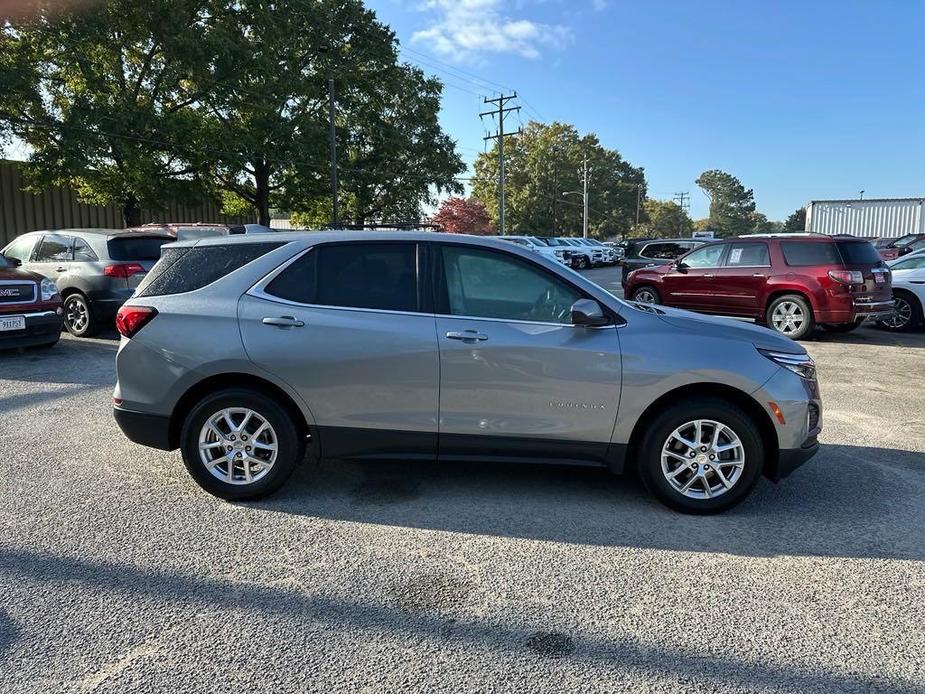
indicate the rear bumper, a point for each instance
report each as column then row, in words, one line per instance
column 42, row 328
column 152, row 430
column 789, row 459
column 857, row 309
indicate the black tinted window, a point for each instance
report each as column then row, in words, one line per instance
column 665, row 251
column 748, row 255
column 186, row 269
column 354, row 275
column 799, row 253
column 82, row 250
column 133, row 248
column 858, row 253
column 54, row 248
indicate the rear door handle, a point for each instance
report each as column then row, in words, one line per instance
column 758, row 274
column 283, row 322
column 467, row 336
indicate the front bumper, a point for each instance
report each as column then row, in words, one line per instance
column 42, row 328
column 789, row 459
column 152, row 430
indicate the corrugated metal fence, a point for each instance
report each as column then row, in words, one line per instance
column 886, row 218
column 58, row 208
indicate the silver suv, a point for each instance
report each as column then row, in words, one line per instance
column 246, row 353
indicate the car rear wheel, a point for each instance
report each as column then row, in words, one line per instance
column 647, row 295
column 791, row 315
column 79, row 318
column 907, row 313
column 843, row 327
column 239, row 444
column 701, row 456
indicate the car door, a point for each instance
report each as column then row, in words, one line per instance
column 52, row 257
column 689, row 283
column 344, row 324
column 739, row 284
column 517, row 380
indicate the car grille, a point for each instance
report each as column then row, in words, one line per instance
column 812, row 419
column 17, row 293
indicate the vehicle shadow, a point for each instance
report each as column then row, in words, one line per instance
column 80, row 361
column 869, row 335
column 9, row 633
column 848, row 501
column 379, row 614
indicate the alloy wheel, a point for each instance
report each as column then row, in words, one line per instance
column 703, row 459
column 788, row 317
column 901, row 315
column 645, row 296
column 76, row 315
column 238, row 445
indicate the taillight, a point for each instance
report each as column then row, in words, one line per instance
column 131, row 319
column 847, row 276
column 123, row 270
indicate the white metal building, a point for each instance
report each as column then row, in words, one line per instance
column 874, row 218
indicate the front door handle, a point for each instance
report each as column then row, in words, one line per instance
column 708, row 277
column 61, row 269
column 283, row 322
column 470, row 336
column 759, row 275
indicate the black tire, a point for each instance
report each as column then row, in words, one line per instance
column 79, row 317
column 644, row 291
column 805, row 328
column 583, row 262
column 907, row 314
column 290, row 444
column 649, row 454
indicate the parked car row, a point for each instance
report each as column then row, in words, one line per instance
column 789, row 282
column 578, row 253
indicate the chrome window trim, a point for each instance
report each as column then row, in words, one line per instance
column 35, row 292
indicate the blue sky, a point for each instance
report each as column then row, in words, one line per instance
column 800, row 100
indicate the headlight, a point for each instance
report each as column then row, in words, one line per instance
column 801, row 364
column 49, row 289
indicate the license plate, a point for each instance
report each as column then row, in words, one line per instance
column 879, row 278
column 12, row 323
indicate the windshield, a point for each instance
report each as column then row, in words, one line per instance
column 4, row 263
column 904, row 240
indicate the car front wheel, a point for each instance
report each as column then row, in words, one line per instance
column 646, row 295
column 239, row 444
column 701, row 456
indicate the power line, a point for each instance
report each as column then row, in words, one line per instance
column 680, row 199
column 499, row 135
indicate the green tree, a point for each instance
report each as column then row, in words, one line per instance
column 796, row 221
column 269, row 112
column 545, row 163
column 732, row 206
column 665, row 219
column 103, row 96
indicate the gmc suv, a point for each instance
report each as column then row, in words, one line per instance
column 246, row 352
column 30, row 308
column 790, row 282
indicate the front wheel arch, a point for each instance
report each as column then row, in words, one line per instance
column 732, row 395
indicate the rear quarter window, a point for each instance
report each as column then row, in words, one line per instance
column 806, row 253
column 187, row 269
column 858, row 253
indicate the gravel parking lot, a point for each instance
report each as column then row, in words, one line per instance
column 119, row 574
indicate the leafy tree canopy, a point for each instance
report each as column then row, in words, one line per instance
column 543, row 164
column 463, row 216
column 732, row 206
column 796, row 221
column 665, row 219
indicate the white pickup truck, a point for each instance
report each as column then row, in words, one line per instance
column 560, row 255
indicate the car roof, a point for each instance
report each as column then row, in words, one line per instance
column 315, row 237
column 101, row 232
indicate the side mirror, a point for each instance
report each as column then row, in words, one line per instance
column 15, row 262
column 588, row 313
column 903, row 250
column 681, row 266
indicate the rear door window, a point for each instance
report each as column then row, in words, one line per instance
column 858, row 253
column 805, row 253
column 751, row 254
column 136, row 248
column 55, row 248
column 379, row 276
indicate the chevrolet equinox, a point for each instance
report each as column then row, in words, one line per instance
column 251, row 353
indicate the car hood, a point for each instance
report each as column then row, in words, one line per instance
column 729, row 328
column 15, row 274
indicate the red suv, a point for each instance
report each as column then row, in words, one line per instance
column 30, row 308
column 790, row 282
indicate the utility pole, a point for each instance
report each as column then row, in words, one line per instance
column 638, row 200
column 680, row 197
column 584, row 195
column 499, row 135
column 335, row 212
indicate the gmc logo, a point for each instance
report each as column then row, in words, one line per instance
column 9, row 292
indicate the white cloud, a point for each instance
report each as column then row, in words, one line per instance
column 465, row 29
